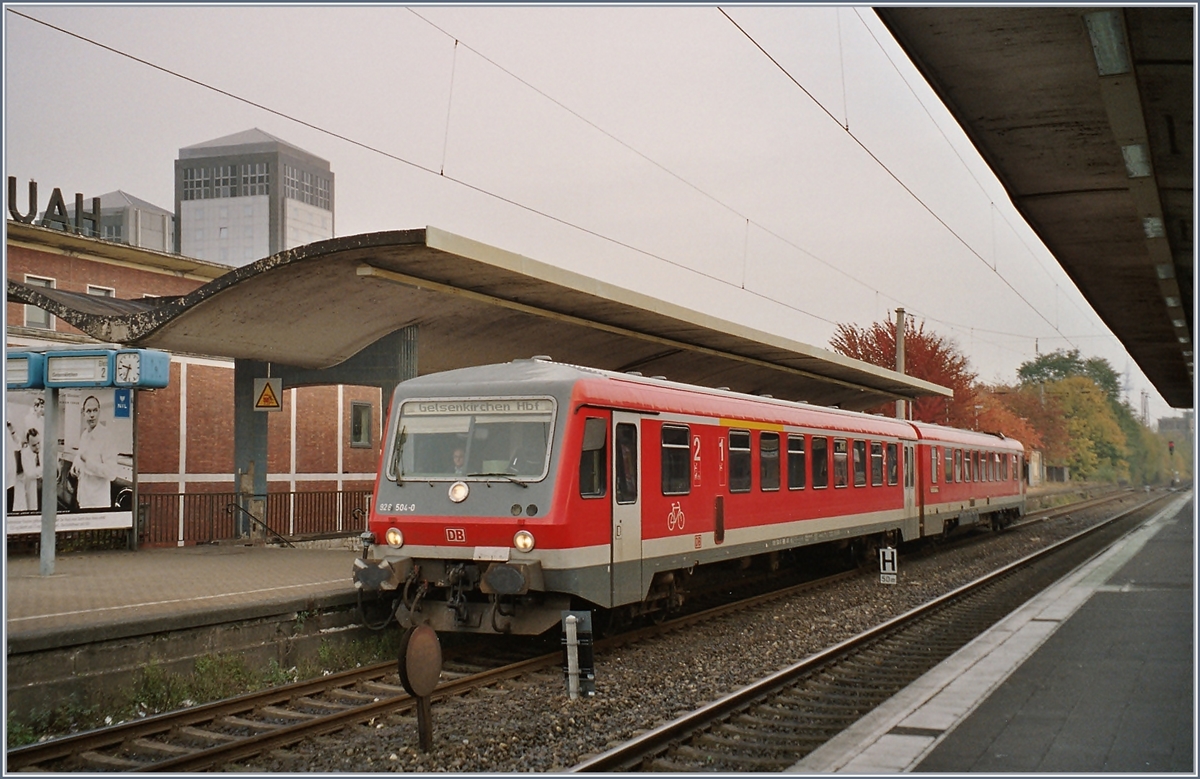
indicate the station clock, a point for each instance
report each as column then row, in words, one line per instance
column 141, row 368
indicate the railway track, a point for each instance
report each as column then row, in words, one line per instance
column 771, row 725
column 215, row 734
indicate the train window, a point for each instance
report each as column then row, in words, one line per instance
column 593, row 458
column 499, row 436
column 820, row 462
column 768, row 461
column 893, row 465
column 948, row 472
column 975, row 465
column 958, row 462
column 933, row 464
column 795, row 463
column 1004, row 467
column 739, row 460
column 676, row 460
column 860, row 463
column 876, row 464
column 626, row 472
column 840, row 466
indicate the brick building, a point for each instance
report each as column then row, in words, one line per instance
column 323, row 447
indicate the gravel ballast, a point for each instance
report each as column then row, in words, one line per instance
column 530, row 724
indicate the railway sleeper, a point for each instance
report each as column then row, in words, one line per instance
column 313, row 703
column 101, row 760
column 159, row 748
column 817, row 706
column 739, row 761
column 801, row 717
column 729, row 735
column 780, row 724
column 274, row 712
column 254, row 726
column 382, row 688
column 352, row 695
column 208, row 737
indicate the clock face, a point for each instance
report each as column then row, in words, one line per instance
column 129, row 367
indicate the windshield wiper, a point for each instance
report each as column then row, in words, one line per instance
column 508, row 476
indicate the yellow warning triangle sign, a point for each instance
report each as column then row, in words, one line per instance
column 267, row 398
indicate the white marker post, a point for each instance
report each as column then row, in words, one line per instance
column 887, row 565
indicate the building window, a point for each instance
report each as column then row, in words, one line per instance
column 323, row 194
column 291, row 182
column 111, row 232
column 768, row 461
column 739, row 460
column 255, row 179
column 196, row 184
column 360, row 425
column 676, row 471
column 860, row 463
column 795, row 462
column 34, row 316
column 101, row 292
column 224, row 182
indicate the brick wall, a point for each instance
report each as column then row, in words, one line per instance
column 208, row 383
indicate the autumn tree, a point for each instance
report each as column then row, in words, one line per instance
column 927, row 356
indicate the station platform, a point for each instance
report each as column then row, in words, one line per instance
column 97, row 596
column 1097, row 674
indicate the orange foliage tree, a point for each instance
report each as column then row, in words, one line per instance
column 927, row 356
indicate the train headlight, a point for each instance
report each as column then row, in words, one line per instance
column 394, row 537
column 523, row 541
column 459, row 491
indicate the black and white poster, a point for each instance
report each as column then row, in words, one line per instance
column 94, row 464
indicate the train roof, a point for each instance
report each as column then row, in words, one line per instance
column 516, row 375
column 927, row 431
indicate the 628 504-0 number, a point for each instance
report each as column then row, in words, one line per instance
column 399, row 508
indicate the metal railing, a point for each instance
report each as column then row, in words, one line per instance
column 169, row 519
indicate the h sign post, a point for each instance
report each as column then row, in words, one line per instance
column 887, row 565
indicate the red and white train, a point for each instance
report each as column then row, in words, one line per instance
column 510, row 493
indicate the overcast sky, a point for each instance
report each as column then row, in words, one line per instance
column 784, row 168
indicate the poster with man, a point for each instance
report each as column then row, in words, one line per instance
column 94, row 466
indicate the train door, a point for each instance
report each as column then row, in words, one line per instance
column 910, row 481
column 626, row 509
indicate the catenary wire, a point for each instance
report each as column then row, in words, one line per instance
column 615, row 241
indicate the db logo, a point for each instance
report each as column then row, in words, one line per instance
column 456, row 535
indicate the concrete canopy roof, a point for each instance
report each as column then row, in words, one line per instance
column 1026, row 85
column 318, row 305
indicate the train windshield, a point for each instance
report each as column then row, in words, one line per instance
column 507, row 438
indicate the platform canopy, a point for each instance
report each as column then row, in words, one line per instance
column 1085, row 114
column 318, row 305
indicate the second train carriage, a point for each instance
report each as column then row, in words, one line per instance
column 509, row 493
